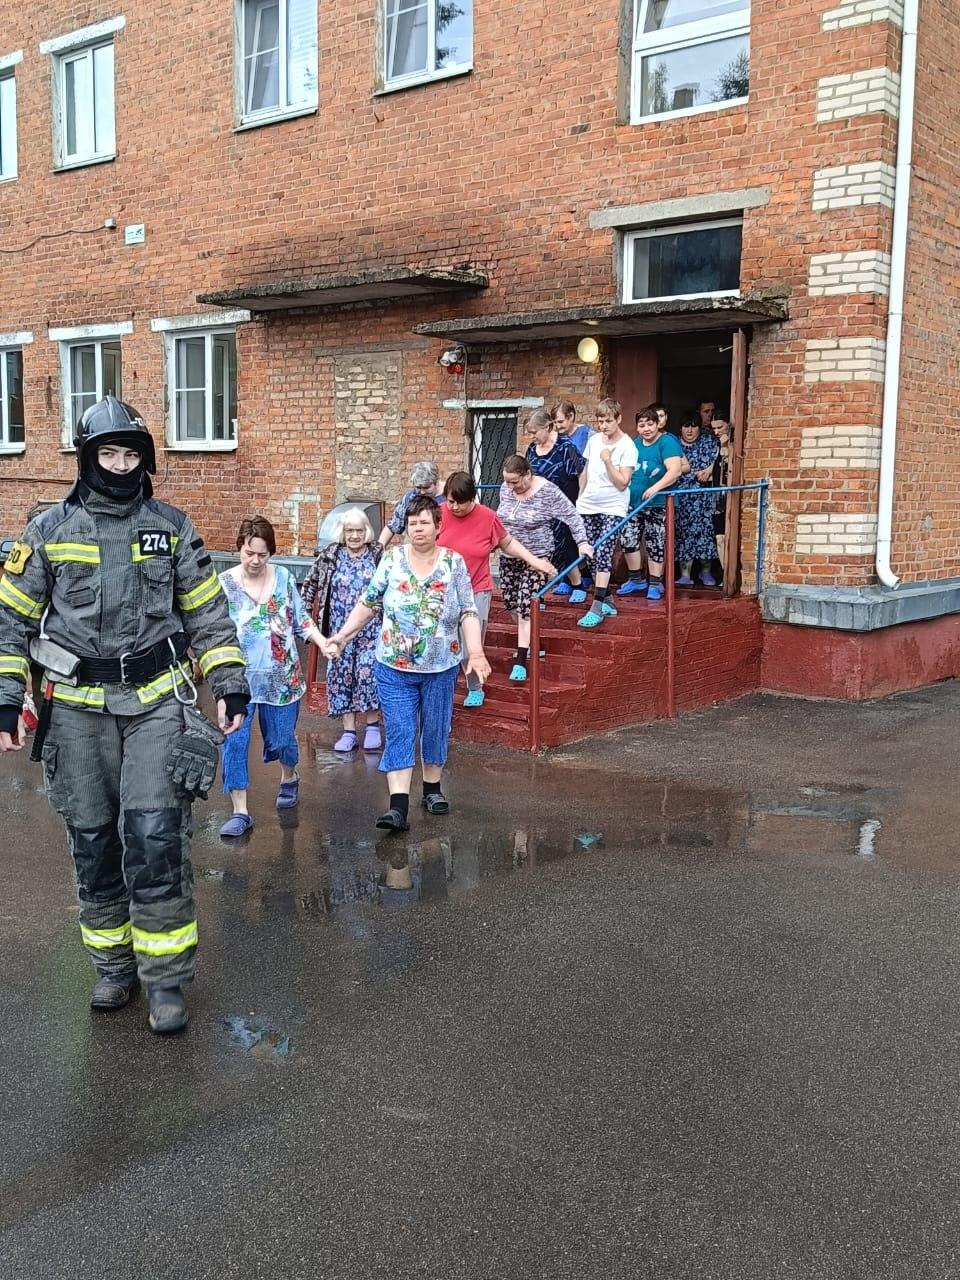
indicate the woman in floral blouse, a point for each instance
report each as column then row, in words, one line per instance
column 268, row 614
column 425, row 594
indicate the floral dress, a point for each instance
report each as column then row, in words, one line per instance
column 695, row 539
column 267, row 633
column 350, row 682
column 421, row 616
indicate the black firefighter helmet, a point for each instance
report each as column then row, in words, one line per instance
column 110, row 421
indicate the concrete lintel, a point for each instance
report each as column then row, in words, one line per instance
column 860, row 608
column 85, row 35
column 683, row 209
column 80, row 332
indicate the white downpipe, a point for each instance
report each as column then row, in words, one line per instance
column 901, row 228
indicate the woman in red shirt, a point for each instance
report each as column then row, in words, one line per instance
column 475, row 531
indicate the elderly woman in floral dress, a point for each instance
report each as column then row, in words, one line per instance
column 338, row 578
column 695, row 536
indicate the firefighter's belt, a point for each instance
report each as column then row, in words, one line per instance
column 133, row 668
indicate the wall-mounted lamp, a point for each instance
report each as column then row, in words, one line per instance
column 588, row 350
column 454, row 359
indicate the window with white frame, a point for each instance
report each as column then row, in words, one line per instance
column 278, row 56
column 693, row 260
column 85, row 105
column 8, row 124
column 689, row 56
column 202, row 388
column 11, row 399
column 425, row 40
column 91, row 370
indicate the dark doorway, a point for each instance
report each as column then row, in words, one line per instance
column 492, row 440
column 694, row 371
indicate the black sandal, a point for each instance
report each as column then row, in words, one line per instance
column 436, row 803
column 392, row 820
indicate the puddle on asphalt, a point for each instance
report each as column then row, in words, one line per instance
column 257, row 1036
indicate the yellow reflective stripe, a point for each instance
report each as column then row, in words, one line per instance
column 104, row 939
column 81, row 695
column 19, row 601
column 10, row 666
column 169, row 943
column 138, row 557
column 200, row 595
column 221, row 657
column 156, row 688
column 75, row 552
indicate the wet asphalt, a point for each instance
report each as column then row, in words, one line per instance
column 679, row 1003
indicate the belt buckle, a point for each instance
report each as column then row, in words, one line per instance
column 125, row 680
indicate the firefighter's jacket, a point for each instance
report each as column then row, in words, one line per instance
column 106, row 578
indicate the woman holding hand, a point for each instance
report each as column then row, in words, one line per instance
column 425, row 593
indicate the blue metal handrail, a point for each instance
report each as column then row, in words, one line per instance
column 689, row 491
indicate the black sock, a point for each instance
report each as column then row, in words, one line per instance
column 431, row 789
column 401, row 802
column 523, row 655
column 655, row 581
column 635, row 575
column 600, row 594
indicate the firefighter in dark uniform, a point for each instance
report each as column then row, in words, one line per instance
column 108, row 591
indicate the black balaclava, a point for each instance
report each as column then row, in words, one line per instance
column 121, row 488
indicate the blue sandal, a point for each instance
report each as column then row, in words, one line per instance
column 238, row 825
column 519, row 672
column 474, row 698
column 578, row 596
column 590, row 620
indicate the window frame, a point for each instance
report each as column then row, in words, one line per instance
column 8, row 446
column 633, row 234
column 388, row 84
column 68, row 340
column 685, row 35
column 172, row 335
column 70, row 48
column 270, row 115
column 8, row 65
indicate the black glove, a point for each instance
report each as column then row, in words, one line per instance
column 9, row 719
column 236, row 704
column 194, row 755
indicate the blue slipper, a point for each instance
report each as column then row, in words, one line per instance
column 238, row 825
column 519, row 672
column 562, row 589
column 631, row 588
column 474, row 698
column 608, row 610
column 578, row 596
column 590, row 620
column 289, row 794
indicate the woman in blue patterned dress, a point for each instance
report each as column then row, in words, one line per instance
column 695, row 537
column 338, row 578
column 556, row 458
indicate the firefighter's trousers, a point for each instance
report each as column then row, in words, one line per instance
column 129, row 832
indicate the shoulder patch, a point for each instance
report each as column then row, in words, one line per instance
column 17, row 559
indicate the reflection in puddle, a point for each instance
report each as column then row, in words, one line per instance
column 258, row 1037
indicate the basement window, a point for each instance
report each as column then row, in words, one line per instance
column 689, row 56
column 425, row 40
column 693, row 260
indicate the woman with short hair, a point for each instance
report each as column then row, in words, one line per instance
column 424, row 479
column 269, row 614
column 530, row 508
column 339, row 576
column 554, row 456
column 426, row 599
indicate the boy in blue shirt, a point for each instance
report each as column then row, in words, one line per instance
column 660, row 464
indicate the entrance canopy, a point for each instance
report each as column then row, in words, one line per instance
column 336, row 290
column 639, row 319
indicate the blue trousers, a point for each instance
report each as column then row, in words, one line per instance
column 415, row 705
column 278, row 728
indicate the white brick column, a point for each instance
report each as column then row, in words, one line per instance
column 840, row 447
column 848, row 185
column 844, row 360
column 864, row 271
column 837, row 533
column 858, row 94
column 854, row 13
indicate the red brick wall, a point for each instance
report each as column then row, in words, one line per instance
column 482, row 169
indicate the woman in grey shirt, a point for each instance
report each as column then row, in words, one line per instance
column 529, row 505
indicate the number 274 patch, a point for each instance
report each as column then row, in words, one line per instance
column 155, row 542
